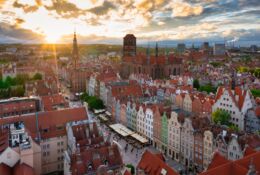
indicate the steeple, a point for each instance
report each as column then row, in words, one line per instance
column 166, row 54
column 156, row 50
column 148, row 54
column 75, row 53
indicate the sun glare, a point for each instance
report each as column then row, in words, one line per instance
column 52, row 38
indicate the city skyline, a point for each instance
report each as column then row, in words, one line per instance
column 25, row 21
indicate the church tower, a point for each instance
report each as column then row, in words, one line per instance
column 148, row 54
column 75, row 53
column 129, row 45
column 156, row 50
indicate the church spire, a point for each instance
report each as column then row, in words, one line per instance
column 75, row 54
column 156, row 50
column 148, row 54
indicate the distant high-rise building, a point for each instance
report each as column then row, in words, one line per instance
column 75, row 52
column 129, row 47
column 181, row 47
column 219, row 49
column 253, row 48
column 205, row 46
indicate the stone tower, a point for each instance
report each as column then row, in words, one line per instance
column 129, row 45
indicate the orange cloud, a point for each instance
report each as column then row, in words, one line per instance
column 182, row 9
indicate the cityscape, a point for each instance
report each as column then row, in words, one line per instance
column 129, row 87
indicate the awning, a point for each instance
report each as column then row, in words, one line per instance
column 108, row 113
column 121, row 129
column 124, row 131
column 98, row 111
column 139, row 138
column 102, row 117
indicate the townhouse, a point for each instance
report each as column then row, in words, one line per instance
column 48, row 131
column 236, row 102
column 174, row 135
column 88, row 152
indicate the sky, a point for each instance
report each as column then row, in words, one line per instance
column 108, row 21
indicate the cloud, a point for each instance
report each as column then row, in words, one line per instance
column 102, row 9
column 15, row 34
column 19, row 21
column 26, row 8
column 182, row 9
column 65, row 9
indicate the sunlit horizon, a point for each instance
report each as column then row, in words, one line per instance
column 108, row 21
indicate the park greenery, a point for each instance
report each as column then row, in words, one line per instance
column 216, row 64
column 255, row 71
column 15, row 87
column 255, row 92
column 93, row 101
column 204, row 88
column 223, row 118
column 196, row 84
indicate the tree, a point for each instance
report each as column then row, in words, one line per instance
column 221, row 117
column 131, row 167
column 255, row 92
column 37, row 76
column 21, row 79
column 233, row 127
column 196, row 84
column 95, row 103
column 207, row 88
column 17, row 91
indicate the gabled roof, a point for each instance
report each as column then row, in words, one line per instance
column 233, row 93
column 238, row 167
column 50, row 101
column 248, row 151
column 18, row 169
column 50, row 120
column 153, row 165
column 217, row 160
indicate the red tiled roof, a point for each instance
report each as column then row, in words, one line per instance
column 238, row 167
column 127, row 172
column 257, row 112
column 23, row 169
column 50, row 101
column 217, row 160
column 238, row 91
column 5, row 169
column 96, row 157
column 50, row 120
column 18, row 169
column 4, row 139
column 248, row 151
column 153, row 165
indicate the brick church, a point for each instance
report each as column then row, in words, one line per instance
column 157, row 65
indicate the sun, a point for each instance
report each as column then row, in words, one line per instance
column 52, row 38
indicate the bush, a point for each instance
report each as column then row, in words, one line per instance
column 37, row 76
column 255, row 92
column 196, row 84
column 221, row 117
column 93, row 101
column 208, row 88
column 131, row 167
